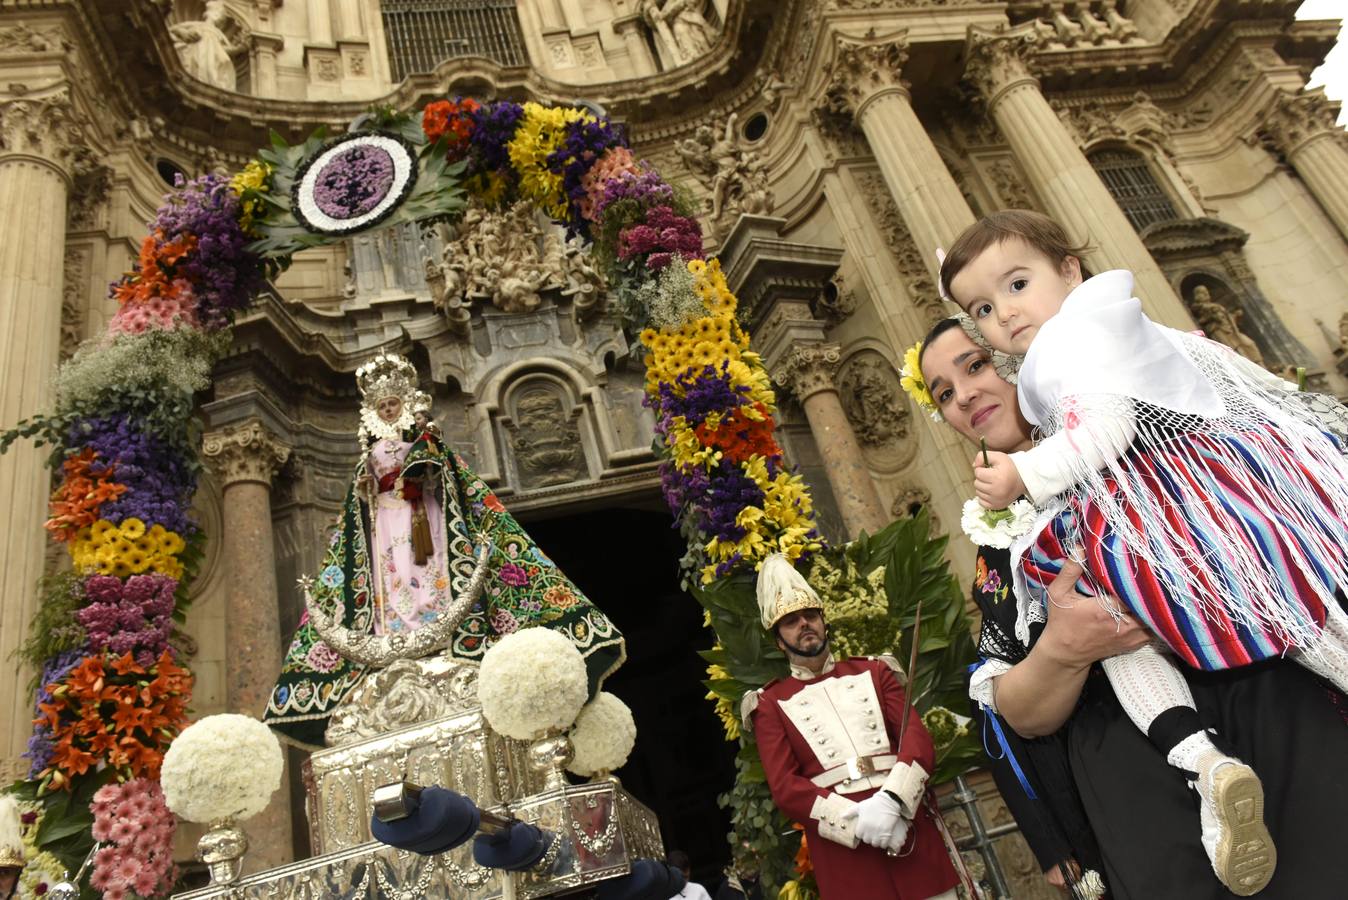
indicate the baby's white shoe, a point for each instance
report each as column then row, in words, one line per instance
column 1231, row 809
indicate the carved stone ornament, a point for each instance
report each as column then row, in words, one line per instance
column 733, row 175
column 1297, row 118
column 74, row 278
column 1000, row 60
column 245, row 452
column 546, row 440
column 836, row 305
column 909, row 501
column 808, row 369
column 406, row 692
column 922, row 291
column 502, row 256
column 859, row 73
column 91, row 183
column 22, row 38
column 870, row 392
column 44, row 126
column 1010, row 184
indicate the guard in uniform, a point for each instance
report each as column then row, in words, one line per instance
column 828, row 737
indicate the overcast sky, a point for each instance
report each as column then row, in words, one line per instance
column 1334, row 73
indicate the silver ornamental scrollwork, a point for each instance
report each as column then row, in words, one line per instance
column 379, row 651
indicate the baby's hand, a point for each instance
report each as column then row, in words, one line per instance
column 996, row 482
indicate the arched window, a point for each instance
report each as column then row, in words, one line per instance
column 1132, row 186
column 422, row 34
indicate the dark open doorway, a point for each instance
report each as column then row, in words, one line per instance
column 626, row 561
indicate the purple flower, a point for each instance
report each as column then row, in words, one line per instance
column 513, row 575
column 159, row 483
column 136, row 620
column 663, row 234
column 504, row 622
column 584, row 143
column 646, row 189
column 494, row 128
column 40, row 744
column 224, row 275
column 354, row 181
column 322, row 658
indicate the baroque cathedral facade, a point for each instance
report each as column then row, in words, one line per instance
column 833, row 145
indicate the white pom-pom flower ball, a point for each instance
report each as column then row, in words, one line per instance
column 603, row 736
column 532, row 681
column 221, row 767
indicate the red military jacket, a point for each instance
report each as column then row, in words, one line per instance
column 805, row 721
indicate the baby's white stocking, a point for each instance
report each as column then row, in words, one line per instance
column 1147, row 683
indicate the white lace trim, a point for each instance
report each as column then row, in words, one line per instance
column 981, row 688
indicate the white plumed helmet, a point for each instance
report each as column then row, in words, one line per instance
column 782, row 590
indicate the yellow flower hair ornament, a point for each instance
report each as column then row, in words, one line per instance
column 910, row 377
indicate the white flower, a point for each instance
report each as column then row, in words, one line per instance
column 221, row 767
column 1091, row 886
column 530, row 682
column 996, row 527
column 603, row 735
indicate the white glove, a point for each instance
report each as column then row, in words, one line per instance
column 899, row 836
column 876, row 818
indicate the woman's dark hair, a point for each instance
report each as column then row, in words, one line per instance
column 940, row 328
column 1034, row 228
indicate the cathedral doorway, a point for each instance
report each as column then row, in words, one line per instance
column 626, row 560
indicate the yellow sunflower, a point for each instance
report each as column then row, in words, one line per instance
column 132, row 528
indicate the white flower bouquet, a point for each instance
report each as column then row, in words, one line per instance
column 221, row 767
column 603, row 736
column 997, row 527
column 531, row 682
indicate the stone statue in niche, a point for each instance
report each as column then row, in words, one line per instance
column 681, row 26
column 734, row 176
column 546, row 441
column 869, row 393
column 1222, row 325
column 206, row 47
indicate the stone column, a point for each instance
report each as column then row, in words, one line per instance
column 320, row 22
column 246, row 458
column 1062, row 176
column 631, row 30
column 1304, row 129
column 808, row 370
column 865, row 86
column 40, row 134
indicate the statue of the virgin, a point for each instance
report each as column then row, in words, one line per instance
column 448, row 561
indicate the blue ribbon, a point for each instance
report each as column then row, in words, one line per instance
column 991, row 718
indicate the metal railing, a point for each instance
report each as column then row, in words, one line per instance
column 421, row 34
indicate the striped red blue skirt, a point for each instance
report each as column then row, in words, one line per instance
column 1205, row 635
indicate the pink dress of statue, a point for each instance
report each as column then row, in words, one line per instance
column 412, row 594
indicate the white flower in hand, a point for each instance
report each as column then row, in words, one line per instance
column 996, row 527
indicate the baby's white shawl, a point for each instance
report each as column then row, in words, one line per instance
column 1100, row 343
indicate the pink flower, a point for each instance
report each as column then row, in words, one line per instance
column 146, row 881
column 126, row 870
column 101, row 827
column 504, row 622
column 103, row 862
column 322, row 658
